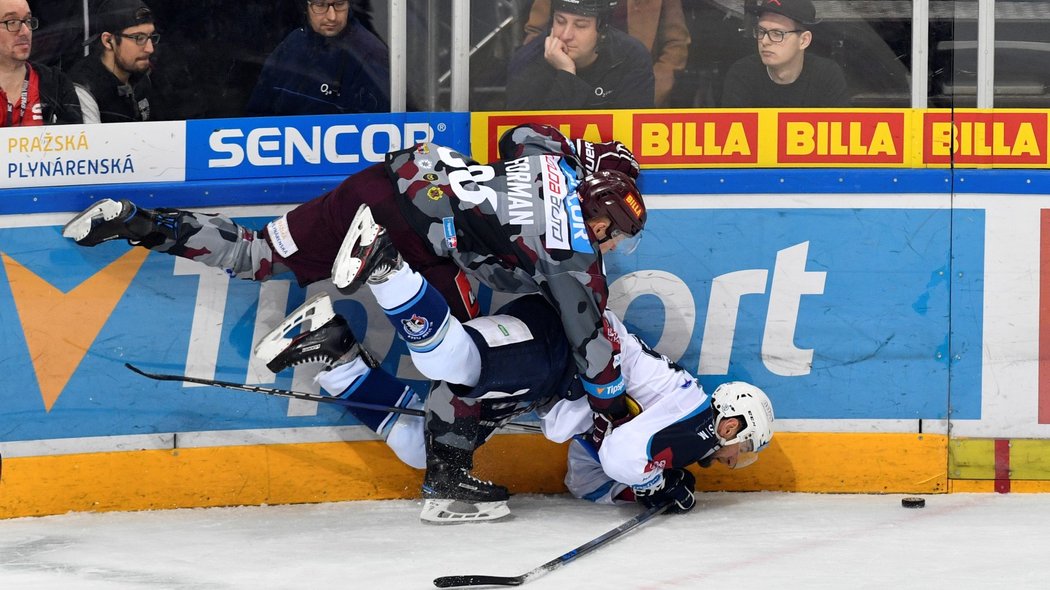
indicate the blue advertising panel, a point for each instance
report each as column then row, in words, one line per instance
column 836, row 313
column 272, row 147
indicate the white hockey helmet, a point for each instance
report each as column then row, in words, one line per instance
column 737, row 399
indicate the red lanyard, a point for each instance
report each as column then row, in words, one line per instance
column 24, row 99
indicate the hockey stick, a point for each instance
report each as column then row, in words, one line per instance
column 313, row 397
column 481, row 580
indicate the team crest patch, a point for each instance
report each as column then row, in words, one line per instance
column 423, row 148
column 435, row 193
column 416, row 327
column 450, row 232
column 430, row 177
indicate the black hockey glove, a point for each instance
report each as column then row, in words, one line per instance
column 609, row 155
column 618, row 413
column 677, row 486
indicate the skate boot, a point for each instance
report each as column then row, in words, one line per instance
column 323, row 338
column 451, row 494
column 367, row 254
column 108, row 220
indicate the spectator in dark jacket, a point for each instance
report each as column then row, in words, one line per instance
column 30, row 94
column 583, row 64
column 114, row 83
column 334, row 65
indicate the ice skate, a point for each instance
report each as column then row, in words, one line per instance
column 324, row 337
column 451, row 495
column 367, row 254
column 103, row 221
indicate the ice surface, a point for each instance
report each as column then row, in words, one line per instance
column 731, row 540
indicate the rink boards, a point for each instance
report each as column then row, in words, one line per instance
column 873, row 305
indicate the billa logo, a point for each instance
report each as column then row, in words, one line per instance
column 999, row 138
column 696, row 138
column 632, row 202
column 595, row 127
column 840, row 138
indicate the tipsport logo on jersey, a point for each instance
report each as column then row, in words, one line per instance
column 311, row 146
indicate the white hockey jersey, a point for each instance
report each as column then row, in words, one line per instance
column 667, row 394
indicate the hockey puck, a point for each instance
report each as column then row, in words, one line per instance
column 913, row 502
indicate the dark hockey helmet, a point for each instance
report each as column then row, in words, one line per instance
column 585, row 7
column 613, row 194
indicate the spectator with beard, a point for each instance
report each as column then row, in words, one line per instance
column 114, row 83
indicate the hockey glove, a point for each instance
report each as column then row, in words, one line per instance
column 609, row 155
column 677, row 486
column 620, row 412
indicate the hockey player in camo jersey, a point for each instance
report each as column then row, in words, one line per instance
column 533, row 221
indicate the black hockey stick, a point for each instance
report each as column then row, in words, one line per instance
column 313, row 397
column 480, row 580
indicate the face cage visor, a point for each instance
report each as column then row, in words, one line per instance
column 625, row 243
column 747, row 454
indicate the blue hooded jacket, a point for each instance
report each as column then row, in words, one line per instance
column 309, row 74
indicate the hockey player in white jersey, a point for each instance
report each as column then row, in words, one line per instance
column 493, row 368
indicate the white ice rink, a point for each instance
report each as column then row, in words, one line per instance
column 731, row 540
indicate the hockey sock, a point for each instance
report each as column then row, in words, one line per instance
column 399, row 287
column 361, row 383
column 422, row 320
column 440, row 347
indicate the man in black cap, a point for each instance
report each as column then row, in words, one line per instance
column 781, row 74
column 114, row 83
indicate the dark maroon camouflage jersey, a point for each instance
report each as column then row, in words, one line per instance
column 516, row 225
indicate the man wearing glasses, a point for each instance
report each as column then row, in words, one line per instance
column 114, row 83
column 30, row 94
column 781, row 74
column 333, row 65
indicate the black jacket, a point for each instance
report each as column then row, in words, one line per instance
column 117, row 102
column 309, row 74
column 621, row 78
column 57, row 97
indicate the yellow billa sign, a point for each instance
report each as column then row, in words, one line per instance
column 798, row 138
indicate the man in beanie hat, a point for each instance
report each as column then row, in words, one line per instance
column 582, row 64
column 781, row 74
column 114, row 83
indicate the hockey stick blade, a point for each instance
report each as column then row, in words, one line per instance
column 313, row 397
column 481, row 580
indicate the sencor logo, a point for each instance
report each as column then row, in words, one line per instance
column 337, row 144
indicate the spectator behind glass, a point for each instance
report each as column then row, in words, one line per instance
column 113, row 82
column 583, row 64
column 30, row 94
column 335, row 65
column 781, row 74
column 658, row 24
